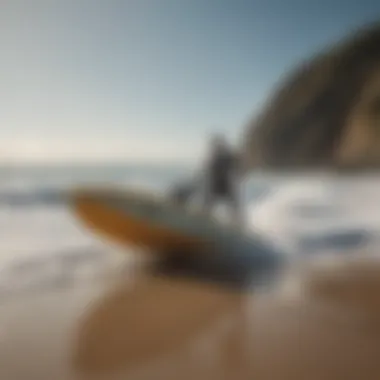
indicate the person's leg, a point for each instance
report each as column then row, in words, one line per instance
column 233, row 199
column 208, row 201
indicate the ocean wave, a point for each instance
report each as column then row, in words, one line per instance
column 338, row 240
column 31, row 193
column 47, row 197
column 28, row 192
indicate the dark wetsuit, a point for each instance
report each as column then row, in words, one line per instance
column 221, row 181
column 220, row 170
column 220, row 184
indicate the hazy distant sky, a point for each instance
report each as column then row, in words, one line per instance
column 149, row 78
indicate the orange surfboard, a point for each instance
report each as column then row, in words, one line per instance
column 141, row 219
column 145, row 220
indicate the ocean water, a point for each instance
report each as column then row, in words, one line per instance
column 41, row 240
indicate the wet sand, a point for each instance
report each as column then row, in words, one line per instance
column 141, row 326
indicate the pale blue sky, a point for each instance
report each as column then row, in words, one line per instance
column 149, row 79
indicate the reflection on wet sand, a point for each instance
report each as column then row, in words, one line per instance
column 144, row 326
column 159, row 328
column 354, row 284
column 150, row 321
column 171, row 308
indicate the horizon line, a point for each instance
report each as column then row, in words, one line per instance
column 97, row 162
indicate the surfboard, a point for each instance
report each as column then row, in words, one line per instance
column 147, row 220
column 135, row 218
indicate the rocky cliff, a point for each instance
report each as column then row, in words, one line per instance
column 326, row 113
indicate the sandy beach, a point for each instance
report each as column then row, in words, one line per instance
column 140, row 326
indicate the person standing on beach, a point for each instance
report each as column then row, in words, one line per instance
column 218, row 181
column 222, row 178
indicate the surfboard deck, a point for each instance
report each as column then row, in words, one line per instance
column 143, row 220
